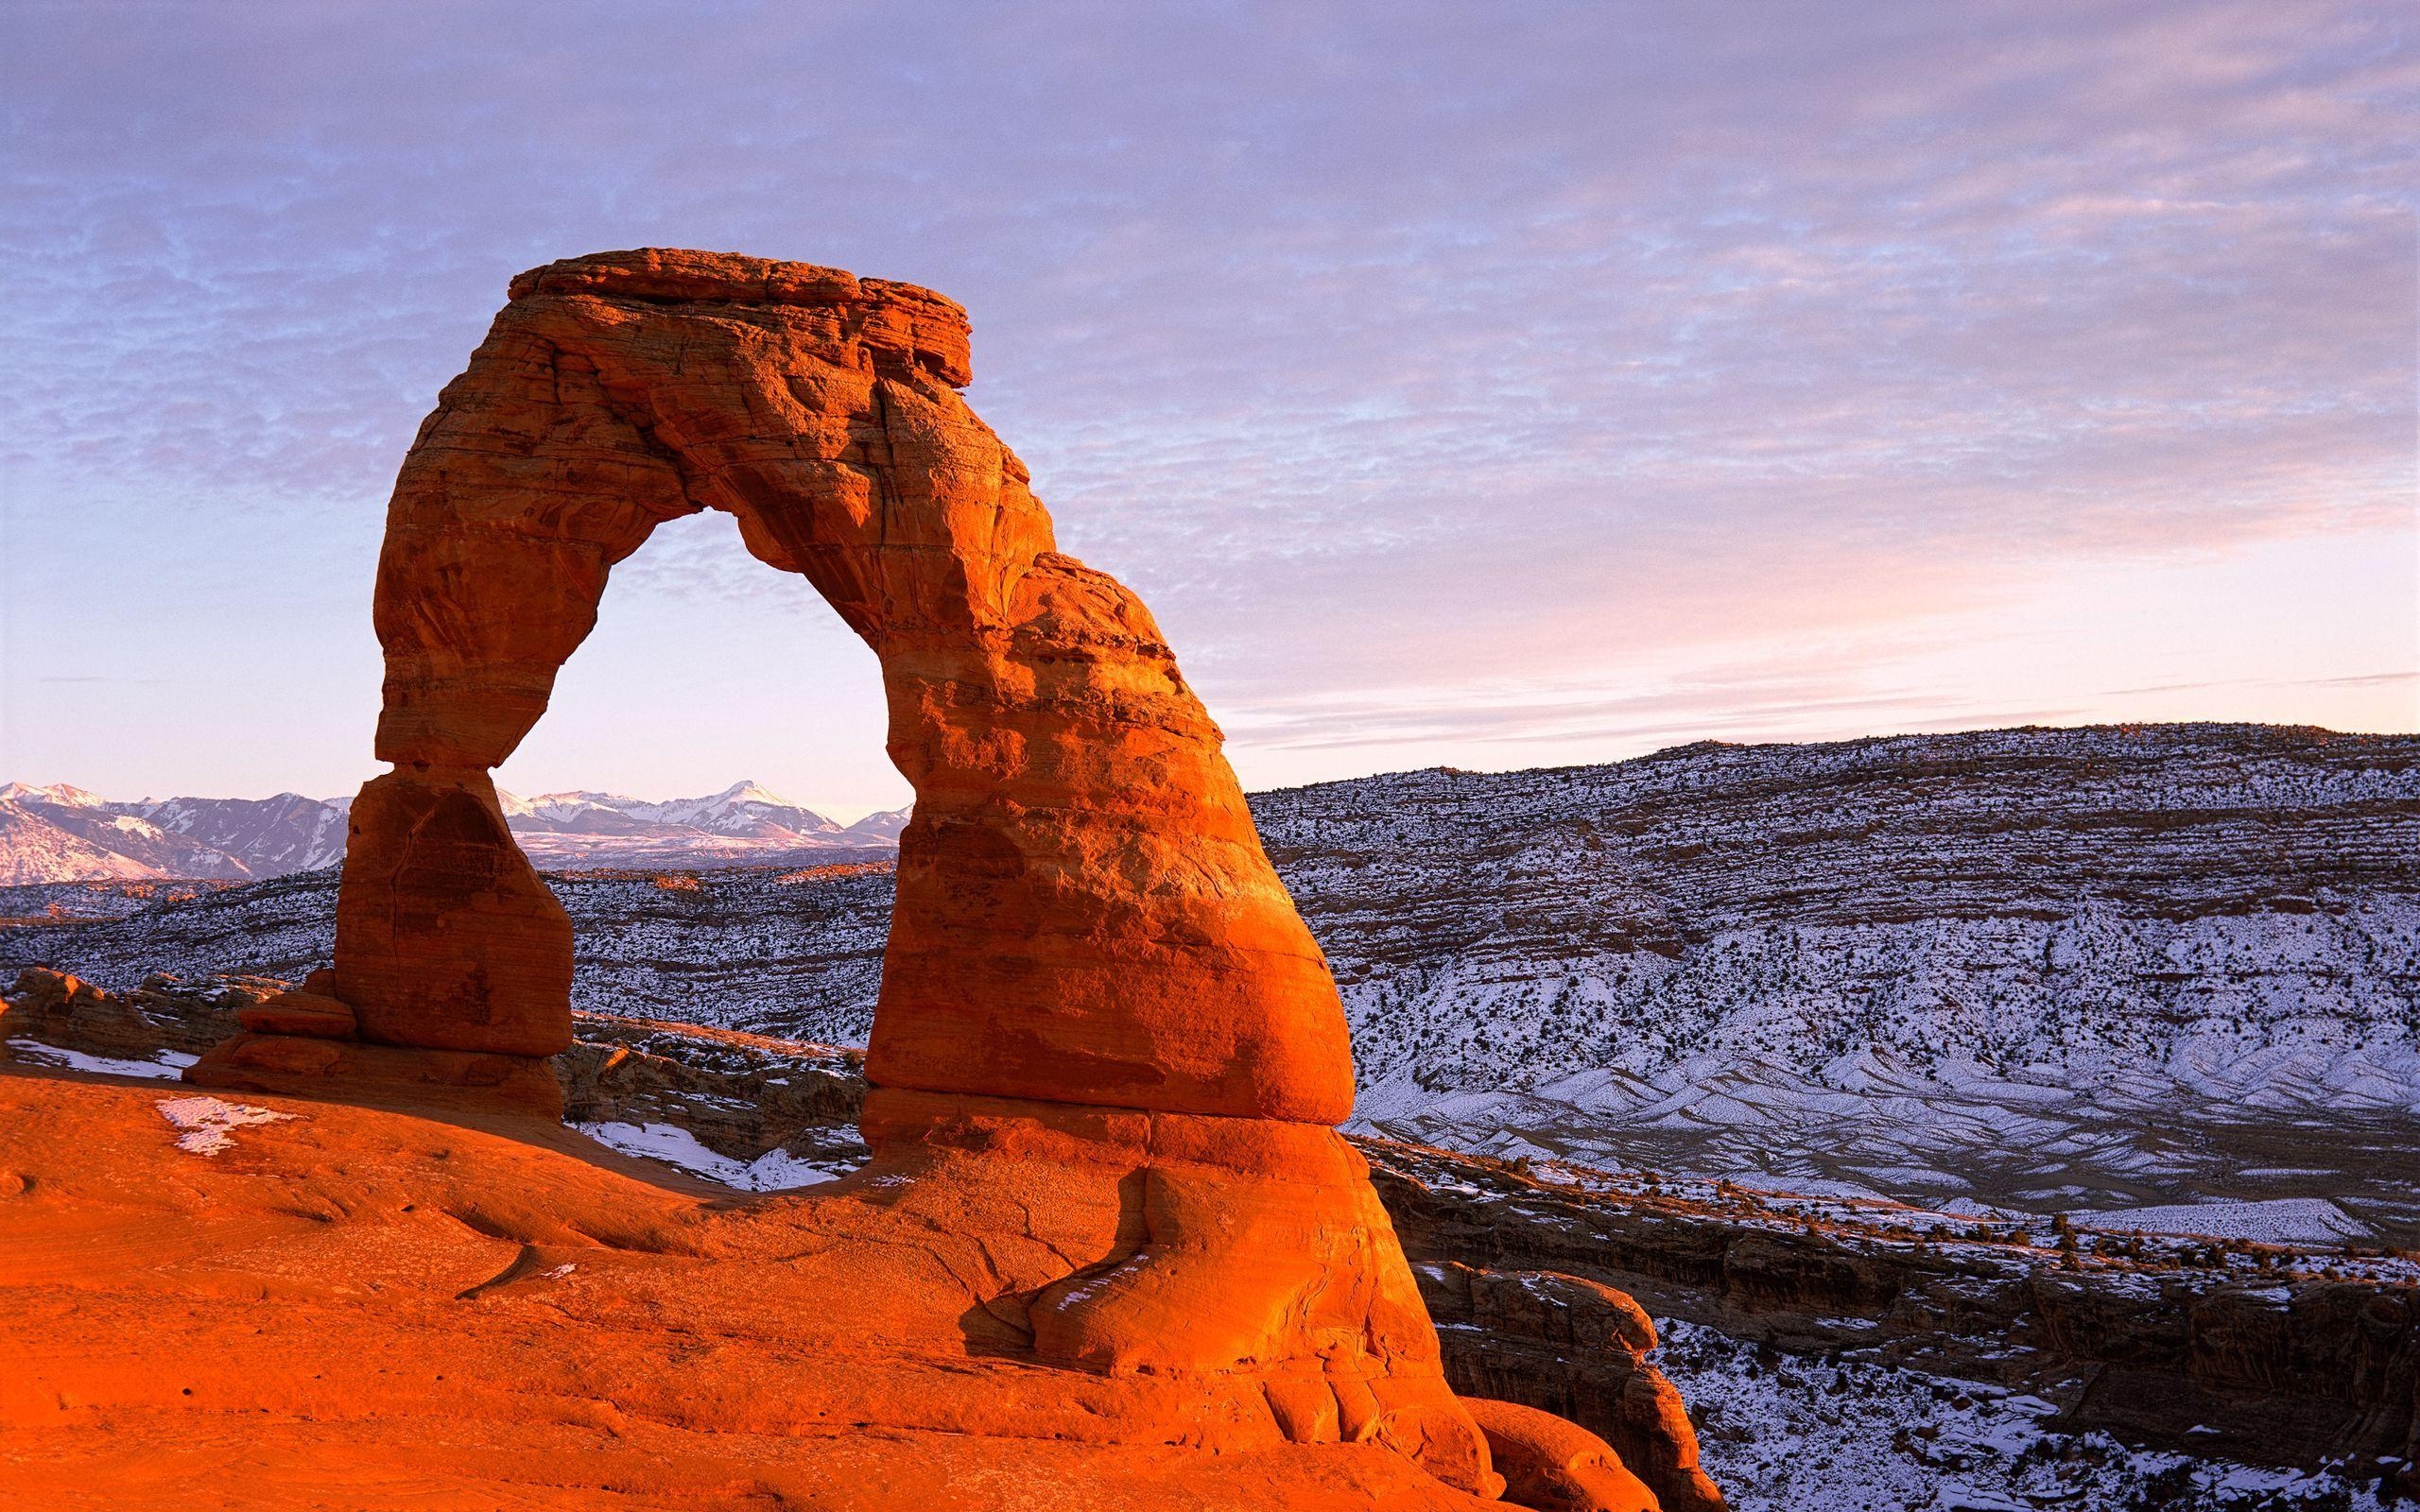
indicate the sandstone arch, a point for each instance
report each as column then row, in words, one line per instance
column 1084, row 912
column 1107, row 1056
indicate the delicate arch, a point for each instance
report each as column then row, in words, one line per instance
column 1084, row 910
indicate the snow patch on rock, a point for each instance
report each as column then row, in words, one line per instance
column 210, row 1123
column 774, row 1171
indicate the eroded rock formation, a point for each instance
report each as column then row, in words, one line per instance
column 1107, row 1058
column 1085, row 913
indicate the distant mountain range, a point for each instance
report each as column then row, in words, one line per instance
column 743, row 824
column 65, row 833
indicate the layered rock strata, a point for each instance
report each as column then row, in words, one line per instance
column 2301, row 1371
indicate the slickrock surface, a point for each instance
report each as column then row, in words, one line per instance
column 209, row 1306
column 1835, row 1349
column 714, row 1349
column 764, row 1115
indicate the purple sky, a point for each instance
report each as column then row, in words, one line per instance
column 1495, row 384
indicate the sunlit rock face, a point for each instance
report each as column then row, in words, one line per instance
column 1107, row 1055
column 1085, row 913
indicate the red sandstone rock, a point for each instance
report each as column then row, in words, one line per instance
column 313, row 1014
column 1084, row 913
column 1550, row 1332
column 446, row 938
column 1557, row 1466
column 164, row 1014
column 54, row 1007
column 310, row 1066
column 1205, row 1247
column 1107, row 1056
column 357, row 1307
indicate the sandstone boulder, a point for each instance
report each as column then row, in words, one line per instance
column 58, row 1009
column 1557, row 1466
column 312, row 1015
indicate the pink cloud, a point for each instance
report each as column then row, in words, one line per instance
column 1378, row 348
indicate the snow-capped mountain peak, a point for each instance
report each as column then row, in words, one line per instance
column 745, row 809
column 58, row 792
column 748, row 790
column 883, row 826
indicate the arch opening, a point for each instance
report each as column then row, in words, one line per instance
column 705, row 669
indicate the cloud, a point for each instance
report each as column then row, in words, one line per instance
column 1379, row 346
column 2372, row 680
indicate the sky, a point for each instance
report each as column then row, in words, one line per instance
column 1488, row 384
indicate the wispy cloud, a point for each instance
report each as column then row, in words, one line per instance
column 2374, row 680
column 1383, row 348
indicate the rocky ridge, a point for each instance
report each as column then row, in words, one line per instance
column 2046, row 970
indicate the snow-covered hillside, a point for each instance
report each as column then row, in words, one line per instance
column 2092, row 968
column 730, row 946
column 270, row 836
column 34, row 850
column 744, row 824
column 63, row 833
column 55, row 833
column 744, row 810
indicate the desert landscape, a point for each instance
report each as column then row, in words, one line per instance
column 2138, row 1299
column 1701, row 794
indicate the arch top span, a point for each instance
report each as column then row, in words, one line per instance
column 901, row 322
column 1084, row 912
column 622, row 389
